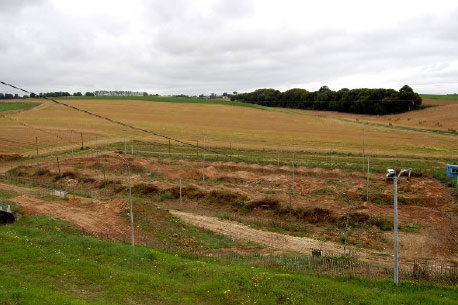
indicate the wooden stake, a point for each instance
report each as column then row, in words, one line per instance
column 36, row 142
column 58, row 166
column 82, row 143
column 203, row 163
column 367, row 181
column 197, row 149
column 169, row 147
column 71, row 140
column 181, row 202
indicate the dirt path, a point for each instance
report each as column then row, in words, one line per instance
column 270, row 239
column 99, row 218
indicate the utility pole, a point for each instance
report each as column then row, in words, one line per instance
column 395, row 220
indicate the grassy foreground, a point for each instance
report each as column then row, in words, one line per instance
column 47, row 261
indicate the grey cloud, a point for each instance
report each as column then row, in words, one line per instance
column 175, row 47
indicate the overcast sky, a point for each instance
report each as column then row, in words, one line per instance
column 205, row 46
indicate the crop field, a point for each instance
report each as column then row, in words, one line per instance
column 275, row 185
column 222, row 126
column 7, row 106
column 441, row 116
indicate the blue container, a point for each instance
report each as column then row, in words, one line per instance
column 452, row 170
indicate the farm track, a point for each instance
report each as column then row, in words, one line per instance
column 275, row 241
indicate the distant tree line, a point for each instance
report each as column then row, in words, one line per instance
column 9, row 96
column 119, row 93
column 364, row 101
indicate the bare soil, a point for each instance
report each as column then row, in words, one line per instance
column 259, row 194
column 99, row 218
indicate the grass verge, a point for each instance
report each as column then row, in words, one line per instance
column 48, row 261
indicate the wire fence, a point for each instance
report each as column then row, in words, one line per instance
column 318, row 262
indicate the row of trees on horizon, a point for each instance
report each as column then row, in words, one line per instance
column 362, row 101
column 8, row 96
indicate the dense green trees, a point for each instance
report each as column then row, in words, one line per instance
column 367, row 101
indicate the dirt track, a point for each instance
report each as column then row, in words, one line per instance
column 270, row 239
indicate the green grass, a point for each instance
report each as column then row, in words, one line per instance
column 168, row 99
column 6, row 194
column 8, row 106
column 47, row 261
column 439, row 97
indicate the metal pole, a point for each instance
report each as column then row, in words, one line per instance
column 395, row 220
column 131, row 207
column 181, row 202
column 131, row 212
column 364, row 135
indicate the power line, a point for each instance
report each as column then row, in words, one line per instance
column 121, row 123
